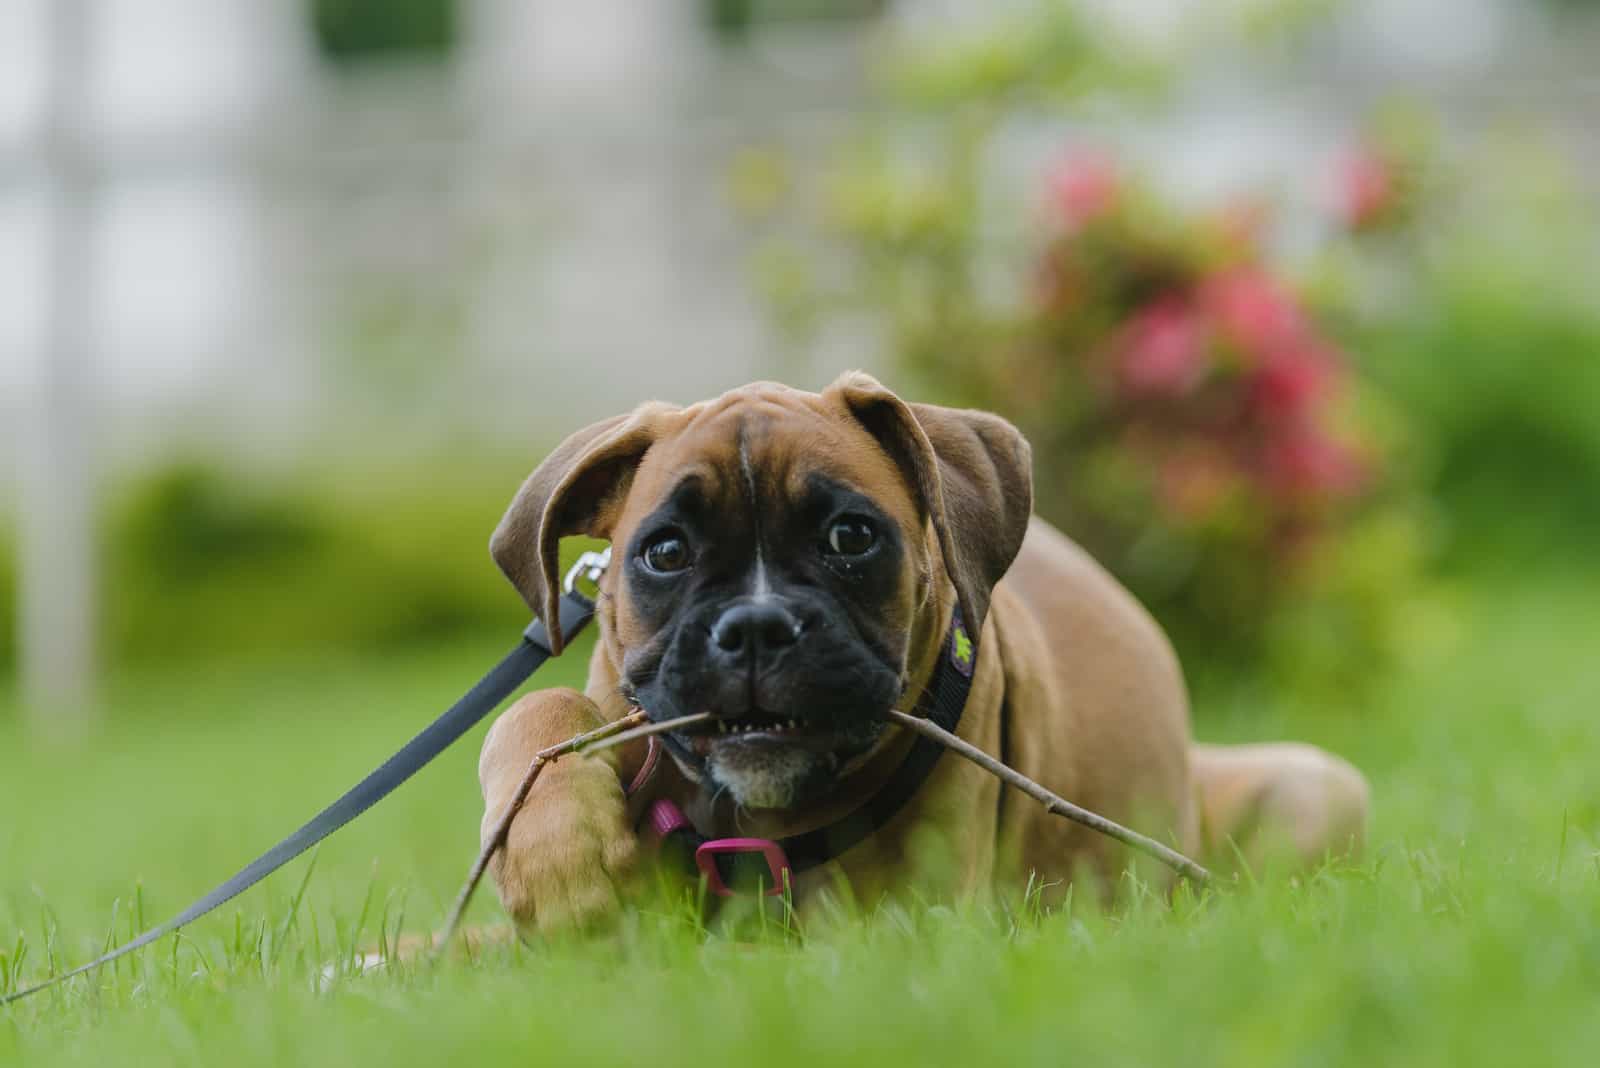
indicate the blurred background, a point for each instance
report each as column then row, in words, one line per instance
column 1294, row 297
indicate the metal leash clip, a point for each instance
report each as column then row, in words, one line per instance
column 587, row 569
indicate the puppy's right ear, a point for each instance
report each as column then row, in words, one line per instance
column 578, row 489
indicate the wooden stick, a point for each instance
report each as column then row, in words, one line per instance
column 595, row 745
column 618, row 731
column 1053, row 803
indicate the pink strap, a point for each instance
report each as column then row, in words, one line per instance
column 646, row 770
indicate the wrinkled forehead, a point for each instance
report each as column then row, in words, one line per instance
column 767, row 451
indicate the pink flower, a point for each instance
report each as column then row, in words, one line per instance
column 1084, row 187
column 1163, row 349
column 1253, row 311
column 1305, row 464
column 1364, row 189
column 1291, row 381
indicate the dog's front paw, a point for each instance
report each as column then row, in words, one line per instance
column 571, row 850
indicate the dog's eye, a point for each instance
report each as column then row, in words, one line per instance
column 666, row 553
column 851, row 536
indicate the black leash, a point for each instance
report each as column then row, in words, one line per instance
column 529, row 655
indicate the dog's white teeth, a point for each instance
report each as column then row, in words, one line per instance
column 746, row 726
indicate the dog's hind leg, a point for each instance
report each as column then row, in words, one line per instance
column 1278, row 801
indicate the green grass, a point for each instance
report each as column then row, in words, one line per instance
column 1470, row 934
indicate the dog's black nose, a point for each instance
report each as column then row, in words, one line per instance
column 755, row 629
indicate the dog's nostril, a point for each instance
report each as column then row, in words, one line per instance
column 756, row 627
column 779, row 633
column 730, row 639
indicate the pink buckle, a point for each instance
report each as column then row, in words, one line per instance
column 706, row 859
column 666, row 818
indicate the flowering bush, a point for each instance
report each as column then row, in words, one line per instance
column 1183, row 349
column 1194, row 423
column 1191, row 422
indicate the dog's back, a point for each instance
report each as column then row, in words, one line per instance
column 1096, row 709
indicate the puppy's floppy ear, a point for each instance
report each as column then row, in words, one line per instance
column 972, row 472
column 577, row 490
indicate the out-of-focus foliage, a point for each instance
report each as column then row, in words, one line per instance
column 1048, row 56
column 733, row 19
column 352, row 30
column 1514, row 436
column 1478, row 320
column 201, row 561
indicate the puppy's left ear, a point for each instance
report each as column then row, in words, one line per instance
column 973, row 474
column 578, row 489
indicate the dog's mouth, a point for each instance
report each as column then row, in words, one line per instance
column 768, row 760
column 759, row 729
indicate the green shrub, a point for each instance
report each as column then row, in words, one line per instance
column 348, row 30
column 1480, row 324
column 203, row 562
column 1503, row 385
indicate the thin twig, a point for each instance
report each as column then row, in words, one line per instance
column 587, row 745
column 503, row 826
column 1053, row 803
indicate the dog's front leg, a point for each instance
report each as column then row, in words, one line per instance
column 571, row 848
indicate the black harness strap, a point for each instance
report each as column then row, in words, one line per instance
column 529, row 655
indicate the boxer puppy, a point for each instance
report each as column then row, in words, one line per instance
column 791, row 563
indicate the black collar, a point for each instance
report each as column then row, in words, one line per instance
column 942, row 702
